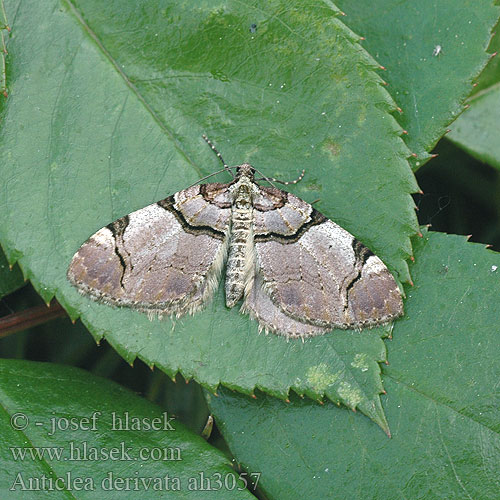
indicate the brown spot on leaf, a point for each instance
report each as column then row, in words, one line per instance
column 331, row 147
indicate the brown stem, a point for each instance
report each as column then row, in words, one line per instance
column 19, row 321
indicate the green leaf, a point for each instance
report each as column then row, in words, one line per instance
column 442, row 402
column 48, row 409
column 476, row 131
column 402, row 36
column 10, row 279
column 491, row 73
column 4, row 30
column 107, row 105
column 300, row 89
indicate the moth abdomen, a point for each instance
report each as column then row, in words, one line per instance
column 240, row 254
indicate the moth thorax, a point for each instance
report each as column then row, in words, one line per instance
column 243, row 198
column 243, row 192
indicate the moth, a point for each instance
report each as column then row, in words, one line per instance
column 296, row 272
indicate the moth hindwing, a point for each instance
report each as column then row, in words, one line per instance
column 296, row 272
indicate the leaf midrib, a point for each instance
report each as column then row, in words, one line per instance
column 132, row 87
column 437, row 401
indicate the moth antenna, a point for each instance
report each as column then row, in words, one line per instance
column 225, row 169
column 286, row 183
column 264, row 178
column 214, row 149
